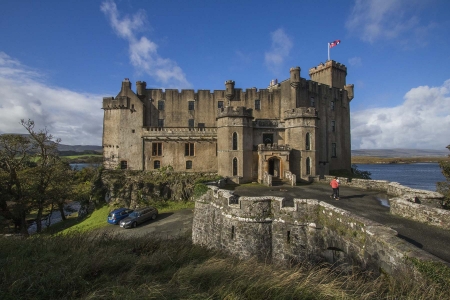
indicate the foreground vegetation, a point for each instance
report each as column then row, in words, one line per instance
column 106, row 267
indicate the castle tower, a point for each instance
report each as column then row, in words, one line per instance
column 229, row 90
column 294, row 82
column 331, row 73
column 235, row 143
column 302, row 135
column 141, row 86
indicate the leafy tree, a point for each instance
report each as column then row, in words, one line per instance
column 444, row 186
column 14, row 161
column 32, row 177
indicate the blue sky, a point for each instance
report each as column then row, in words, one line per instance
column 59, row 58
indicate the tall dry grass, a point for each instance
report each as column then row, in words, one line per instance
column 108, row 267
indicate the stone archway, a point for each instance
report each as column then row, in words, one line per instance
column 274, row 167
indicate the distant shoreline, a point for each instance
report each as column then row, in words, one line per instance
column 397, row 160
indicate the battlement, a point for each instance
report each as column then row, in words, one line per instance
column 301, row 112
column 268, row 227
column 120, row 102
column 229, row 111
column 328, row 64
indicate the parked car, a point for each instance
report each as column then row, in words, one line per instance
column 139, row 216
column 116, row 215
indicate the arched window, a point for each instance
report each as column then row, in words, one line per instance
column 308, row 141
column 235, row 142
column 308, row 166
column 235, row 167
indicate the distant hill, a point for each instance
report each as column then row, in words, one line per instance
column 400, row 152
column 79, row 148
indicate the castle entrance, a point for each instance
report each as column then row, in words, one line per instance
column 274, row 167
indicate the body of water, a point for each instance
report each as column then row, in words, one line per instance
column 82, row 166
column 423, row 176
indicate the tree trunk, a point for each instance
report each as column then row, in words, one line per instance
column 38, row 220
column 61, row 211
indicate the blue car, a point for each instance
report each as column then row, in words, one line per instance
column 116, row 215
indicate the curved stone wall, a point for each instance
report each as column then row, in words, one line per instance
column 313, row 230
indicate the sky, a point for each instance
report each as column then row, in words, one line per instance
column 58, row 59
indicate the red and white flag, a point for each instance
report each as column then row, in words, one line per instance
column 335, row 43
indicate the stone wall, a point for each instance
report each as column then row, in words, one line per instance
column 419, row 212
column 419, row 205
column 267, row 228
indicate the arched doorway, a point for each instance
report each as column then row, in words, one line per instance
column 274, row 167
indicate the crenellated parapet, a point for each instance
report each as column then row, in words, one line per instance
column 272, row 228
column 121, row 102
column 229, row 111
column 301, row 112
column 328, row 64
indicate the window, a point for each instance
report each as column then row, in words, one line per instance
column 160, row 122
column 219, row 104
column 308, row 141
column 312, row 102
column 191, row 123
column 233, row 233
column 190, row 105
column 288, row 237
column 235, row 167
column 268, row 138
column 161, row 105
column 257, row 104
column 235, row 142
column 308, row 166
column 189, row 149
column 123, row 165
column 333, row 150
column 133, row 131
column 156, row 149
column 189, row 164
column 156, row 164
column 201, row 126
column 332, row 105
column 333, row 126
column 132, row 106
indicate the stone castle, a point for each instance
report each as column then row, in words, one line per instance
column 295, row 129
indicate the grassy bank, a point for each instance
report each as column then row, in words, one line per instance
column 396, row 160
column 105, row 267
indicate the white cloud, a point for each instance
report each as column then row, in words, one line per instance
column 143, row 52
column 374, row 20
column 279, row 51
column 355, row 61
column 422, row 121
column 76, row 118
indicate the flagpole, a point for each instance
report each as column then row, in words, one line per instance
column 328, row 51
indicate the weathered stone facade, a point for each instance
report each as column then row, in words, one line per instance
column 266, row 228
column 297, row 128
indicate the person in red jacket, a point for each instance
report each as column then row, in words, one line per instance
column 335, row 186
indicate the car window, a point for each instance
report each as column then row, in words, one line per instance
column 134, row 214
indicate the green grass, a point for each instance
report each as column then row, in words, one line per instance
column 87, row 266
column 96, row 219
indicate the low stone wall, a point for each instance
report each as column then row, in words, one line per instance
column 310, row 230
column 419, row 205
column 422, row 213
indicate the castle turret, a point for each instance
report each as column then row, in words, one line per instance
column 331, row 73
column 229, row 90
column 235, row 145
column 141, row 86
column 295, row 76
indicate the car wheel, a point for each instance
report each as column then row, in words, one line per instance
column 134, row 225
column 153, row 217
